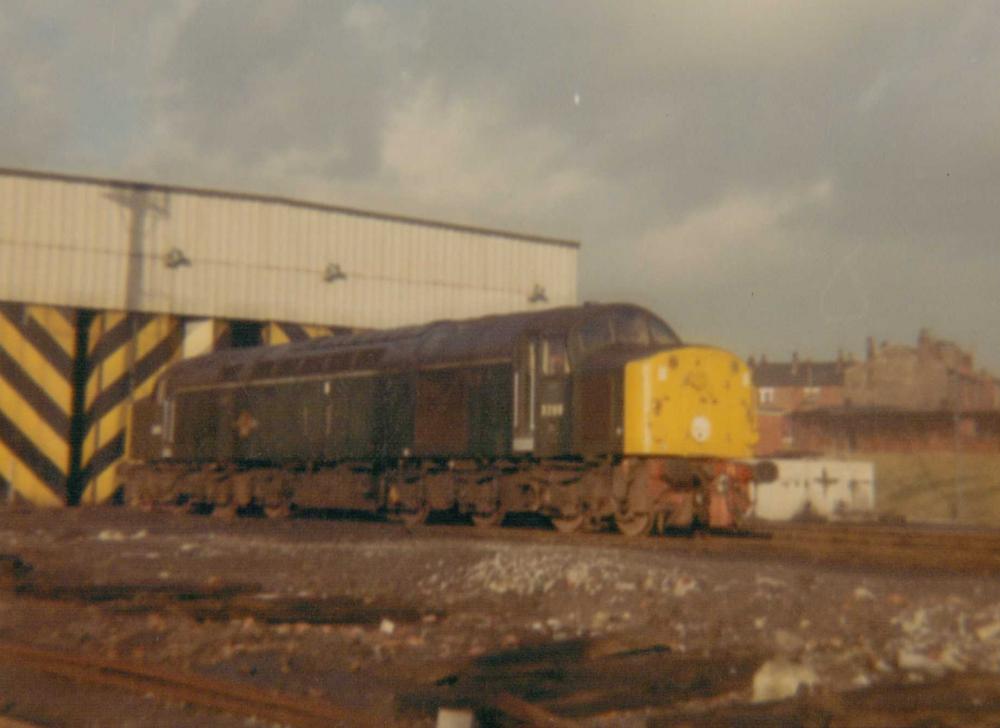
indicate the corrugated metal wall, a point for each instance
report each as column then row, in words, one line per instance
column 129, row 247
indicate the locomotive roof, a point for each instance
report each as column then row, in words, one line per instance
column 440, row 342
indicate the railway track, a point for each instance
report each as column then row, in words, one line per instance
column 919, row 547
column 554, row 685
column 170, row 685
column 909, row 547
column 546, row 685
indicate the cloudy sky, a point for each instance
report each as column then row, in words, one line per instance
column 766, row 175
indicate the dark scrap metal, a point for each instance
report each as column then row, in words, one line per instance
column 209, row 601
column 559, row 682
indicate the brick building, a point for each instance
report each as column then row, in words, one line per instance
column 898, row 399
column 934, row 375
column 793, row 386
column 880, row 429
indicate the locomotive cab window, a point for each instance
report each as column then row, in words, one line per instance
column 593, row 334
column 631, row 328
column 661, row 334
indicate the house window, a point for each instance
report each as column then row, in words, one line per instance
column 766, row 395
column 811, row 394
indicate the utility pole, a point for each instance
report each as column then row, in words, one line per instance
column 957, row 444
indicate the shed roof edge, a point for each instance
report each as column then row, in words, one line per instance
column 289, row 201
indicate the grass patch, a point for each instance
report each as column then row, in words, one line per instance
column 938, row 486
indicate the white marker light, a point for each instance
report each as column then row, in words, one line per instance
column 701, row 428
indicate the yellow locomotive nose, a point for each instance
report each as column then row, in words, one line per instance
column 689, row 401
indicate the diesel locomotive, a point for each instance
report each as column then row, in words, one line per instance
column 587, row 415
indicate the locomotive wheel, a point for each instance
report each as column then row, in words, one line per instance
column 226, row 511
column 568, row 524
column 179, row 508
column 281, row 510
column 489, row 520
column 738, row 500
column 415, row 517
column 146, row 505
column 634, row 524
column 139, row 498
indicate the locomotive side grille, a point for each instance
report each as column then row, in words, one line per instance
column 367, row 358
column 265, row 369
column 36, row 400
column 339, row 361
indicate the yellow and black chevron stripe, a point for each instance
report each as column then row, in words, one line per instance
column 205, row 335
column 36, row 400
column 126, row 353
column 281, row 332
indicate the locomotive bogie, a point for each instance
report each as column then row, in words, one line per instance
column 637, row 494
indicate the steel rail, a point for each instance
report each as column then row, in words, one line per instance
column 915, row 535
column 915, row 548
column 12, row 723
column 235, row 699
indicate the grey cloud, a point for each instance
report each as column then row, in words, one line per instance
column 250, row 80
column 768, row 176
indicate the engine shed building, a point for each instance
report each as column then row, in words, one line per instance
column 103, row 283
